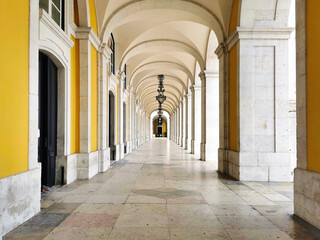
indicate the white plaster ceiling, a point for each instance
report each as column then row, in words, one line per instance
column 168, row 37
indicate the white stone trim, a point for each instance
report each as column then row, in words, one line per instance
column 50, row 23
column 87, row 33
column 112, row 83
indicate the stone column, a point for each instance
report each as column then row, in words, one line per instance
column 186, row 122
column 120, row 144
column 223, row 56
column 197, row 119
column 182, row 121
column 189, row 121
column 103, row 145
column 261, row 133
column 203, row 116
column 87, row 163
column 178, row 126
column 192, row 118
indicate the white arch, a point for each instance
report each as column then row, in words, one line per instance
column 203, row 15
column 174, row 44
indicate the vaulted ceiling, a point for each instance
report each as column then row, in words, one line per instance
column 168, row 37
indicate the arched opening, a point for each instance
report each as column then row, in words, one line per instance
column 112, row 109
column 48, row 120
column 160, row 126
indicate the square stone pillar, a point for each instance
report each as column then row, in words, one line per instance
column 197, row 119
column 178, row 125
column 306, row 181
column 120, row 144
column 223, row 55
column 182, row 122
column 103, row 144
column 186, row 122
column 262, row 108
column 87, row 163
column 202, row 76
column 192, row 118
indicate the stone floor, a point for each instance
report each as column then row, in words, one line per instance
column 162, row 192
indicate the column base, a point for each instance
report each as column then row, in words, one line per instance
column 192, row 146
column 182, row 142
column 222, row 163
column 186, row 141
column 203, row 151
column 259, row 166
column 70, row 164
column 306, row 196
column 104, row 159
column 20, row 197
column 88, row 165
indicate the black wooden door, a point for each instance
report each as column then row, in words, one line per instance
column 48, row 76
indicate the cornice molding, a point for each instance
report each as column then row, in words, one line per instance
column 51, row 24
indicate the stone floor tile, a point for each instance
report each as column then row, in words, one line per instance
column 79, row 233
column 270, row 210
column 62, row 208
column 47, row 219
column 47, row 203
column 74, row 199
column 233, row 210
column 157, row 188
column 194, row 221
column 248, row 222
column 276, row 197
column 144, row 208
column 198, row 234
column 106, row 198
column 144, row 199
column 29, row 233
column 258, row 234
column 98, row 208
column 89, row 220
column 182, row 209
column 137, row 220
column 125, row 233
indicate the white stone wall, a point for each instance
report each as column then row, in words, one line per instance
column 19, row 198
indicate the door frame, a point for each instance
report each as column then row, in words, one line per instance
column 64, row 111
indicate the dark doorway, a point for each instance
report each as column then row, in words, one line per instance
column 125, row 127
column 111, row 126
column 47, row 145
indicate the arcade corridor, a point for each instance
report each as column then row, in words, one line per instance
column 160, row 191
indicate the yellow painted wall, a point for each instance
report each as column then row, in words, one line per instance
column 313, row 84
column 14, row 87
column 233, row 129
column 94, row 99
column 75, row 98
column 234, row 16
column 93, row 16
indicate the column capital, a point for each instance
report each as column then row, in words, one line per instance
column 195, row 88
column 221, row 49
column 105, row 50
column 202, row 75
column 87, row 33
